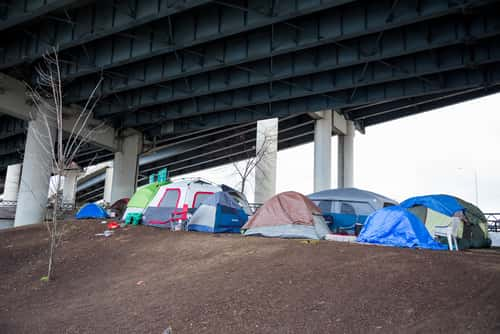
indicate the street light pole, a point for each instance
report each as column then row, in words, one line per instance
column 476, row 187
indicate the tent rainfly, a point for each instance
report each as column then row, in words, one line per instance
column 288, row 215
column 219, row 213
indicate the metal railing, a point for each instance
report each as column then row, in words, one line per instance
column 493, row 221
column 8, row 203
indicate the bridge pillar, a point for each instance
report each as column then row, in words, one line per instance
column 69, row 186
column 345, row 159
column 11, row 187
column 322, row 150
column 108, row 185
column 126, row 167
column 267, row 148
column 35, row 176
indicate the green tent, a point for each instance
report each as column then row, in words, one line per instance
column 144, row 195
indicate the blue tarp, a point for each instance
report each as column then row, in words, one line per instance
column 398, row 227
column 91, row 211
column 445, row 204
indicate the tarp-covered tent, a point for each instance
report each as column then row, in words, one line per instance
column 219, row 213
column 91, row 211
column 397, row 227
column 343, row 208
column 288, row 215
column 438, row 210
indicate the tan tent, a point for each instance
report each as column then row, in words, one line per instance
column 288, row 215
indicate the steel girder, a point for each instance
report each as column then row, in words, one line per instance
column 14, row 144
column 213, row 148
column 327, row 82
column 10, row 126
column 372, row 48
column 9, row 159
column 15, row 12
column 359, row 113
column 326, row 27
column 433, row 84
column 423, row 105
column 199, row 25
column 85, row 24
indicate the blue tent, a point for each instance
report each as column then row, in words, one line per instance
column 445, row 204
column 219, row 213
column 398, row 227
column 91, row 211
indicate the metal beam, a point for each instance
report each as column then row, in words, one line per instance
column 10, row 126
column 440, row 83
column 16, row 12
column 210, row 149
column 13, row 158
column 85, row 24
column 428, row 104
column 186, row 29
column 394, row 43
column 329, row 26
column 12, row 145
column 16, row 103
column 416, row 65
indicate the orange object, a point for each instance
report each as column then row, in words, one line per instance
column 113, row 225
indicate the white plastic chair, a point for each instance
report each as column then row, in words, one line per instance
column 450, row 232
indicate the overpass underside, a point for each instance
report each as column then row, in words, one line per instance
column 193, row 77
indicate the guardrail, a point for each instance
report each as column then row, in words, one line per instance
column 493, row 221
column 8, row 203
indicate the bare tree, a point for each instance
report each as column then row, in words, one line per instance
column 245, row 168
column 48, row 101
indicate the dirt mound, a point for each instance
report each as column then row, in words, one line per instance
column 142, row 280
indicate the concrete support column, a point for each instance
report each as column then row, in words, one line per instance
column 125, row 168
column 346, row 157
column 108, row 184
column 323, row 151
column 11, row 187
column 35, row 176
column 265, row 171
column 69, row 186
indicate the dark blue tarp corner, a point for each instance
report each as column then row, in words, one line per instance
column 91, row 211
column 397, row 227
column 445, row 204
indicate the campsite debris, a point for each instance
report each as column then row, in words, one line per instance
column 104, row 222
column 168, row 330
column 310, row 242
column 340, row 237
column 139, row 283
column 106, row 233
column 113, row 225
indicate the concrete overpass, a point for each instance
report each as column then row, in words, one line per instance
column 179, row 75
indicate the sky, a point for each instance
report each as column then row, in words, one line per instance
column 453, row 150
